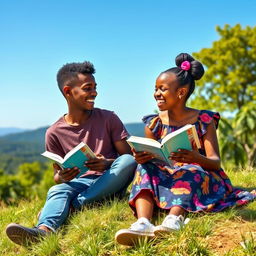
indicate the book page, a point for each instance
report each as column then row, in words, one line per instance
column 157, row 152
column 144, row 141
column 84, row 148
column 180, row 141
column 53, row 156
column 173, row 134
column 88, row 152
column 195, row 138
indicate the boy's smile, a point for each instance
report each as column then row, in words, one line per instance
column 83, row 93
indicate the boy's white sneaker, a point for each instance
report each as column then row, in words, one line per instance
column 142, row 228
column 171, row 223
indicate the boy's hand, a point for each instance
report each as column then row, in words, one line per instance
column 142, row 157
column 185, row 156
column 99, row 164
column 66, row 174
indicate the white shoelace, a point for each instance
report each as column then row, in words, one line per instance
column 141, row 223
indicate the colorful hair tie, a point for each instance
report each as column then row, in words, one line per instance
column 185, row 65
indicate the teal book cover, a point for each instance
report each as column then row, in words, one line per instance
column 180, row 141
column 74, row 158
column 157, row 152
column 77, row 160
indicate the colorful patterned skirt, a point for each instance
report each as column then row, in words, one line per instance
column 187, row 186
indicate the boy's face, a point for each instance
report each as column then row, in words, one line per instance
column 82, row 94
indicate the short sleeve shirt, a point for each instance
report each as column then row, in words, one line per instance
column 101, row 130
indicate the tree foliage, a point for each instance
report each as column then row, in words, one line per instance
column 230, row 79
column 32, row 180
column 229, row 86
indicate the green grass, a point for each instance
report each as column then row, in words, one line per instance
column 91, row 231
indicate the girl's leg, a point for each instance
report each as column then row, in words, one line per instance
column 144, row 204
column 176, row 210
column 173, row 221
column 142, row 228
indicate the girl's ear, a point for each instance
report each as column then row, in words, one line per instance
column 66, row 90
column 182, row 92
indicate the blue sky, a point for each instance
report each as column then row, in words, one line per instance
column 129, row 42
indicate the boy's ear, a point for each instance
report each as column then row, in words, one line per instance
column 66, row 90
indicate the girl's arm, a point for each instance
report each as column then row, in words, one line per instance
column 149, row 133
column 212, row 159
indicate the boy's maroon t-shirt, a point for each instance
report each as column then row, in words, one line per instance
column 99, row 132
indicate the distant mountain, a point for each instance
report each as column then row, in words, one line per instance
column 136, row 129
column 9, row 130
column 32, row 136
column 38, row 135
column 27, row 146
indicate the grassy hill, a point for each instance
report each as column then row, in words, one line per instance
column 91, row 231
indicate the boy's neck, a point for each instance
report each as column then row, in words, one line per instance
column 77, row 118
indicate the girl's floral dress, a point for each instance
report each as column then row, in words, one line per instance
column 186, row 185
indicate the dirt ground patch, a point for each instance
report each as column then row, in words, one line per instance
column 228, row 235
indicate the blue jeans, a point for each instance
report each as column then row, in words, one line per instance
column 82, row 191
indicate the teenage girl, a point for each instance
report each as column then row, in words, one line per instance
column 197, row 182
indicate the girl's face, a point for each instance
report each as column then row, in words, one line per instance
column 166, row 91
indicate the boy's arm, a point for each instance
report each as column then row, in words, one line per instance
column 101, row 164
column 122, row 147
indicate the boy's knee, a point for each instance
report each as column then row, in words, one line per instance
column 124, row 165
column 127, row 161
column 56, row 189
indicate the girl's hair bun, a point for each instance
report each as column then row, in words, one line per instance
column 196, row 68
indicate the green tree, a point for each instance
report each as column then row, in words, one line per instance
column 229, row 86
column 47, row 181
column 30, row 175
column 10, row 188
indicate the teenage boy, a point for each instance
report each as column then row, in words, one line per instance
column 110, row 173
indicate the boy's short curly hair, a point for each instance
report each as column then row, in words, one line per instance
column 67, row 74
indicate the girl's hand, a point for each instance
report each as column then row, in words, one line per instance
column 186, row 156
column 65, row 175
column 99, row 164
column 142, row 157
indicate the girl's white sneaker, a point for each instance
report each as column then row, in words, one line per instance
column 142, row 228
column 171, row 223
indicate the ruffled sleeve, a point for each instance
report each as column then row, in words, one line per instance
column 154, row 123
column 205, row 118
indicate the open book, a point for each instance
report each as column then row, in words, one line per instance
column 183, row 138
column 76, row 157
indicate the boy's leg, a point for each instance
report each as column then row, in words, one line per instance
column 114, row 180
column 56, row 208
column 54, row 213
